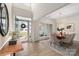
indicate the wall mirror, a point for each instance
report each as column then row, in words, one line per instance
column 4, row 19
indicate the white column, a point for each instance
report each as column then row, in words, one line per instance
column 35, row 30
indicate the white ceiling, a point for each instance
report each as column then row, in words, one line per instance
column 42, row 9
column 67, row 11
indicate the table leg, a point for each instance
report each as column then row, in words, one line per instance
column 14, row 54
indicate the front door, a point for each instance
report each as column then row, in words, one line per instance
column 23, row 27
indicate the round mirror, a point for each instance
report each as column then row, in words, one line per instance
column 4, row 19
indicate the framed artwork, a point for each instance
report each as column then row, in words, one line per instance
column 70, row 27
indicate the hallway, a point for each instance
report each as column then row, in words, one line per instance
column 37, row 49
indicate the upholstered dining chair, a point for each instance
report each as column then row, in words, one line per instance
column 68, row 39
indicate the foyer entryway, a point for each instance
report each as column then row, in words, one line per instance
column 23, row 28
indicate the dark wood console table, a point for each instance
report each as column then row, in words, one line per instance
column 11, row 49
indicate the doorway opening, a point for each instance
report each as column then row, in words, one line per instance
column 45, row 31
column 23, row 28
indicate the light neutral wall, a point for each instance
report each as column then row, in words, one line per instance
column 49, row 21
column 71, row 19
column 35, row 27
column 22, row 12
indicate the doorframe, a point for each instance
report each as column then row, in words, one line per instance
column 16, row 19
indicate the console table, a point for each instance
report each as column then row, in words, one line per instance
column 11, row 49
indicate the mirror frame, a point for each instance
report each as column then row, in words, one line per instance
column 2, row 31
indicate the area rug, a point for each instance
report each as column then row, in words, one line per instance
column 71, row 51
